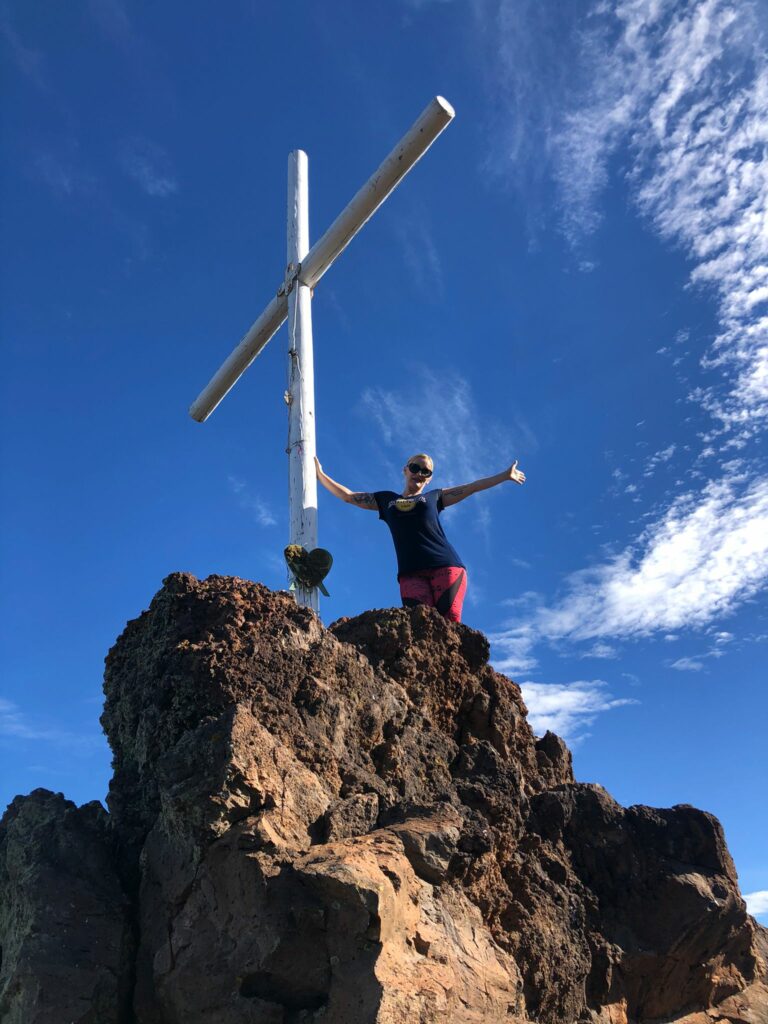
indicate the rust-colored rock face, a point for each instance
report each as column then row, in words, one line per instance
column 357, row 825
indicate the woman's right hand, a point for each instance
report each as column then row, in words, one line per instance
column 318, row 467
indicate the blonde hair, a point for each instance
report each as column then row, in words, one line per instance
column 420, row 455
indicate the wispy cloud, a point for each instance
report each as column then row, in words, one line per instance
column 681, row 92
column 520, row 563
column 16, row 724
column 720, row 641
column 513, row 648
column 660, row 457
column 149, row 165
column 427, row 3
column 757, row 902
column 112, row 19
column 684, row 88
column 329, row 296
column 252, row 503
column 568, row 709
column 600, row 650
column 65, row 176
column 449, row 426
column 705, row 555
column 421, row 255
column 687, row 665
column 27, row 59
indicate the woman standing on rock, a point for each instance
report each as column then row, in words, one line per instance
column 428, row 569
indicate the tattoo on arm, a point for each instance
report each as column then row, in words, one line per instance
column 452, row 495
column 364, row 499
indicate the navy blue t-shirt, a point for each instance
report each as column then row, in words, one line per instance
column 420, row 542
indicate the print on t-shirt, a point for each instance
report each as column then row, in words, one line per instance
column 407, row 504
column 414, row 522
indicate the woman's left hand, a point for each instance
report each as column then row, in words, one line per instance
column 516, row 475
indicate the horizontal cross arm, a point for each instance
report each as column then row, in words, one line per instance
column 413, row 145
column 257, row 336
column 409, row 150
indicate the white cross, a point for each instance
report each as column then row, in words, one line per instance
column 305, row 268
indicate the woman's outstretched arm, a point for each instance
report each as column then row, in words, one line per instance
column 452, row 495
column 360, row 498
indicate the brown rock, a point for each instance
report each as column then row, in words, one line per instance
column 64, row 935
column 429, row 955
column 352, row 817
column 357, row 825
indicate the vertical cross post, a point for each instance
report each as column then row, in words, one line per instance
column 293, row 302
column 301, row 375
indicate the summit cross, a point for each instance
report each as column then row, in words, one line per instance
column 305, row 267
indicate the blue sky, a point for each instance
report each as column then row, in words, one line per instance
column 576, row 275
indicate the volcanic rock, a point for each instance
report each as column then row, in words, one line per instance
column 65, row 937
column 354, row 825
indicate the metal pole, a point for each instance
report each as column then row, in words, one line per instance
column 302, row 479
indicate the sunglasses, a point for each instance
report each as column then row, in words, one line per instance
column 416, row 468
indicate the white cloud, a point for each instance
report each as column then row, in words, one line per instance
column 600, row 650
column 687, row 665
column 682, row 89
column 450, row 427
column 420, row 5
column 520, row 563
column 421, row 255
column 705, row 555
column 15, row 724
column 28, row 60
column 722, row 637
column 64, row 176
column 112, row 19
column 687, row 87
column 568, row 709
column 515, row 647
column 12, row 722
column 660, row 457
column 148, row 164
column 757, row 902
column 252, row 503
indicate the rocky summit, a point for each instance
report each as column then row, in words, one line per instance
column 353, row 825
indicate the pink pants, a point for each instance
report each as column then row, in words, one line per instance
column 443, row 589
